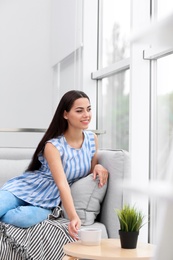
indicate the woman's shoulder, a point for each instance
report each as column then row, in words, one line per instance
column 57, row 141
column 89, row 135
column 90, row 141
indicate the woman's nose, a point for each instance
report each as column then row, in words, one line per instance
column 86, row 113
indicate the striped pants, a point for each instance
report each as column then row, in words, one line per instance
column 43, row 241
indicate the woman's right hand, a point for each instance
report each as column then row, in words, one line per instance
column 74, row 226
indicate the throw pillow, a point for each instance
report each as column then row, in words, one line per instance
column 87, row 197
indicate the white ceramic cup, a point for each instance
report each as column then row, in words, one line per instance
column 90, row 236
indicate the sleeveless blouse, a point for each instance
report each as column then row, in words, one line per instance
column 38, row 187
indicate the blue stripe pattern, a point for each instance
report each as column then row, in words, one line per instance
column 38, row 188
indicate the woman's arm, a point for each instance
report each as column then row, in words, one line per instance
column 98, row 169
column 52, row 156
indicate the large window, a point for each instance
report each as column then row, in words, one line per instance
column 161, row 131
column 113, row 68
column 161, row 108
column 114, row 31
column 164, row 111
column 114, row 111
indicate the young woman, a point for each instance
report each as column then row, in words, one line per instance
column 66, row 153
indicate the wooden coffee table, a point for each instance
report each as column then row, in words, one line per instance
column 108, row 249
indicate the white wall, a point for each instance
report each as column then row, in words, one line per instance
column 25, row 70
column 90, row 54
column 74, row 47
column 66, row 28
column 43, row 53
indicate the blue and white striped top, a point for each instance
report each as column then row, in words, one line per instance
column 38, row 188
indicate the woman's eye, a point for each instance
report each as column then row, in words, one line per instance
column 81, row 110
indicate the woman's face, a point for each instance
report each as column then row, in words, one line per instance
column 80, row 114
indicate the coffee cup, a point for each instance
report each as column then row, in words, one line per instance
column 90, row 236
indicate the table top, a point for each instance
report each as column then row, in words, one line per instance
column 109, row 249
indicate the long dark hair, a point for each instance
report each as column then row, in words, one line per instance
column 58, row 124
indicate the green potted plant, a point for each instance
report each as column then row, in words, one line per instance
column 131, row 220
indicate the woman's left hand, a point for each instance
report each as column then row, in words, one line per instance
column 102, row 173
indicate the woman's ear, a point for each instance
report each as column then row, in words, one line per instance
column 65, row 114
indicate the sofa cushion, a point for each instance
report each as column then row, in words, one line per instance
column 87, row 197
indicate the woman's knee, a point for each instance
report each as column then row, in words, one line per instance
column 7, row 201
column 25, row 216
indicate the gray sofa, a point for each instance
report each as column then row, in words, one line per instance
column 13, row 161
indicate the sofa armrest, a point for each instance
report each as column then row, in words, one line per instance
column 117, row 164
